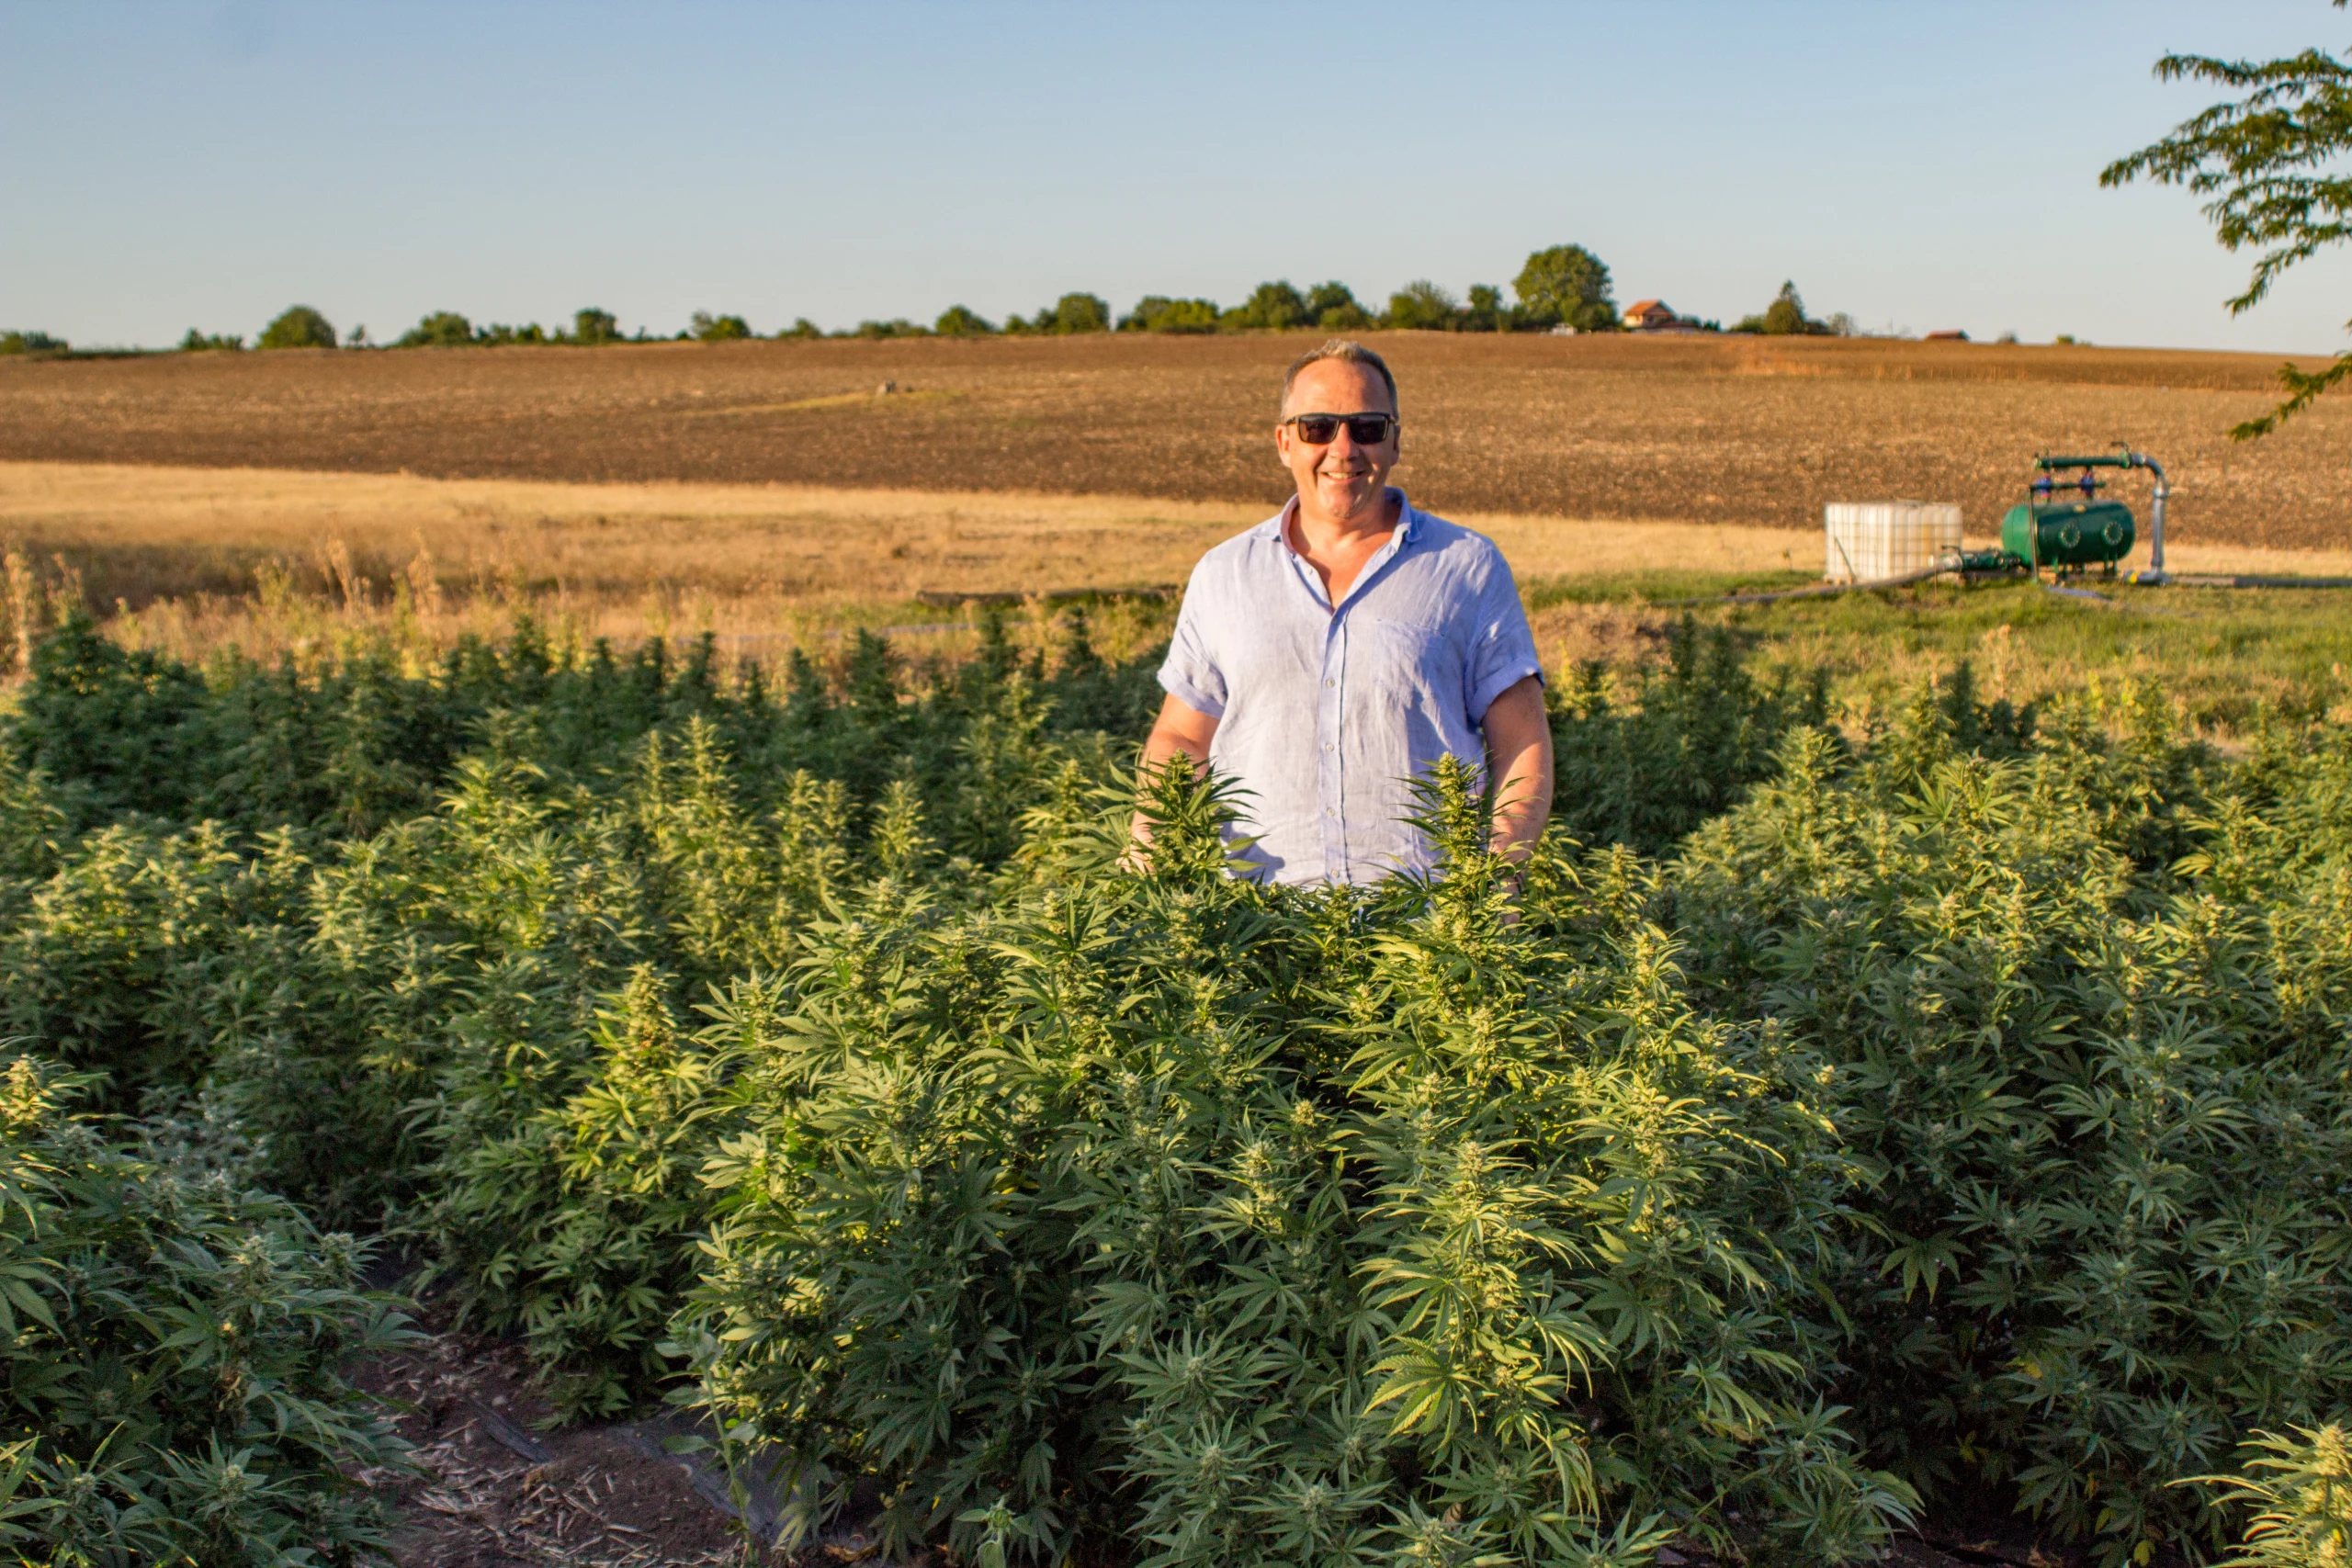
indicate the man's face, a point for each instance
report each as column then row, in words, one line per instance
column 1345, row 480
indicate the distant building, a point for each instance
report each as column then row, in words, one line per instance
column 1650, row 316
column 1953, row 335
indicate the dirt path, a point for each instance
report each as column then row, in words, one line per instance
column 498, row 1491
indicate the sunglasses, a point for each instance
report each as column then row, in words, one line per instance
column 1363, row 429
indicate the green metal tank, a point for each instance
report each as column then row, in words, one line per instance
column 2068, row 533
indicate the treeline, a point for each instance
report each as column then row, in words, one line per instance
column 1563, row 286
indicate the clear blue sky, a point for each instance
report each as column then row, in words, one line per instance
column 1919, row 164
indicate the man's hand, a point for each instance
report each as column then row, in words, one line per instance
column 1519, row 759
column 1179, row 731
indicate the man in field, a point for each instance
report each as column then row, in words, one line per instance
column 1335, row 652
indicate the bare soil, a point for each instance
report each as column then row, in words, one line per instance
column 1756, row 431
column 497, row 1491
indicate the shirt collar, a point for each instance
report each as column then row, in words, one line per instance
column 1277, row 528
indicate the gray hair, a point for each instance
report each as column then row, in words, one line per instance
column 1348, row 352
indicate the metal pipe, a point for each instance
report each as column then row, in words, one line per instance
column 2155, row 572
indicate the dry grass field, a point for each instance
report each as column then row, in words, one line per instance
column 187, row 560
column 1754, row 432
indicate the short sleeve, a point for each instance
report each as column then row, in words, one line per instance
column 1502, row 651
column 1190, row 672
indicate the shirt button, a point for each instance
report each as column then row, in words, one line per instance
column 1330, row 682
column 1327, row 745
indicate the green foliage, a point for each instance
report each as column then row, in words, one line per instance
column 201, row 343
column 1332, row 307
column 1784, row 317
column 355, row 865
column 442, row 328
column 2300, row 1488
column 2079, row 983
column 1566, row 283
column 1248, row 1226
column 958, row 322
column 28, row 343
column 1645, row 760
column 1421, row 306
column 1070, row 313
column 175, row 1343
column 298, row 327
column 1958, row 1112
column 801, row 327
column 572, row 1218
column 899, row 327
column 446, row 329
column 1273, row 306
column 2271, row 163
column 590, row 327
column 1155, row 313
column 707, row 328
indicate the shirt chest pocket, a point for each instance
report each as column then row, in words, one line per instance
column 1403, row 662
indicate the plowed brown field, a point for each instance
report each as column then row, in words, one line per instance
column 1742, row 430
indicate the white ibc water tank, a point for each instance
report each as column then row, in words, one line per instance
column 1870, row 540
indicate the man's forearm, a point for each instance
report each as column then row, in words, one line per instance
column 1519, row 758
column 1163, row 744
column 1522, row 802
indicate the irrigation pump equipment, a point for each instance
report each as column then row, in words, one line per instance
column 2070, row 536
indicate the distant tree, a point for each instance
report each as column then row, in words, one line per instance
column 299, row 327
column 1840, row 325
column 801, row 327
column 1077, row 314
column 356, row 337
column 591, row 326
column 1158, row 313
column 896, row 327
column 1421, row 306
column 1486, row 313
column 1784, row 317
column 499, row 334
column 442, row 328
column 1566, row 283
column 958, row 322
column 1273, row 306
column 2273, row 163
column 31, row 343
column 707, row 328
column 1332, row 307
column 211, row 342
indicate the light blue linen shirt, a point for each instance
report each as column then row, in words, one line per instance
column 1327, row 712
